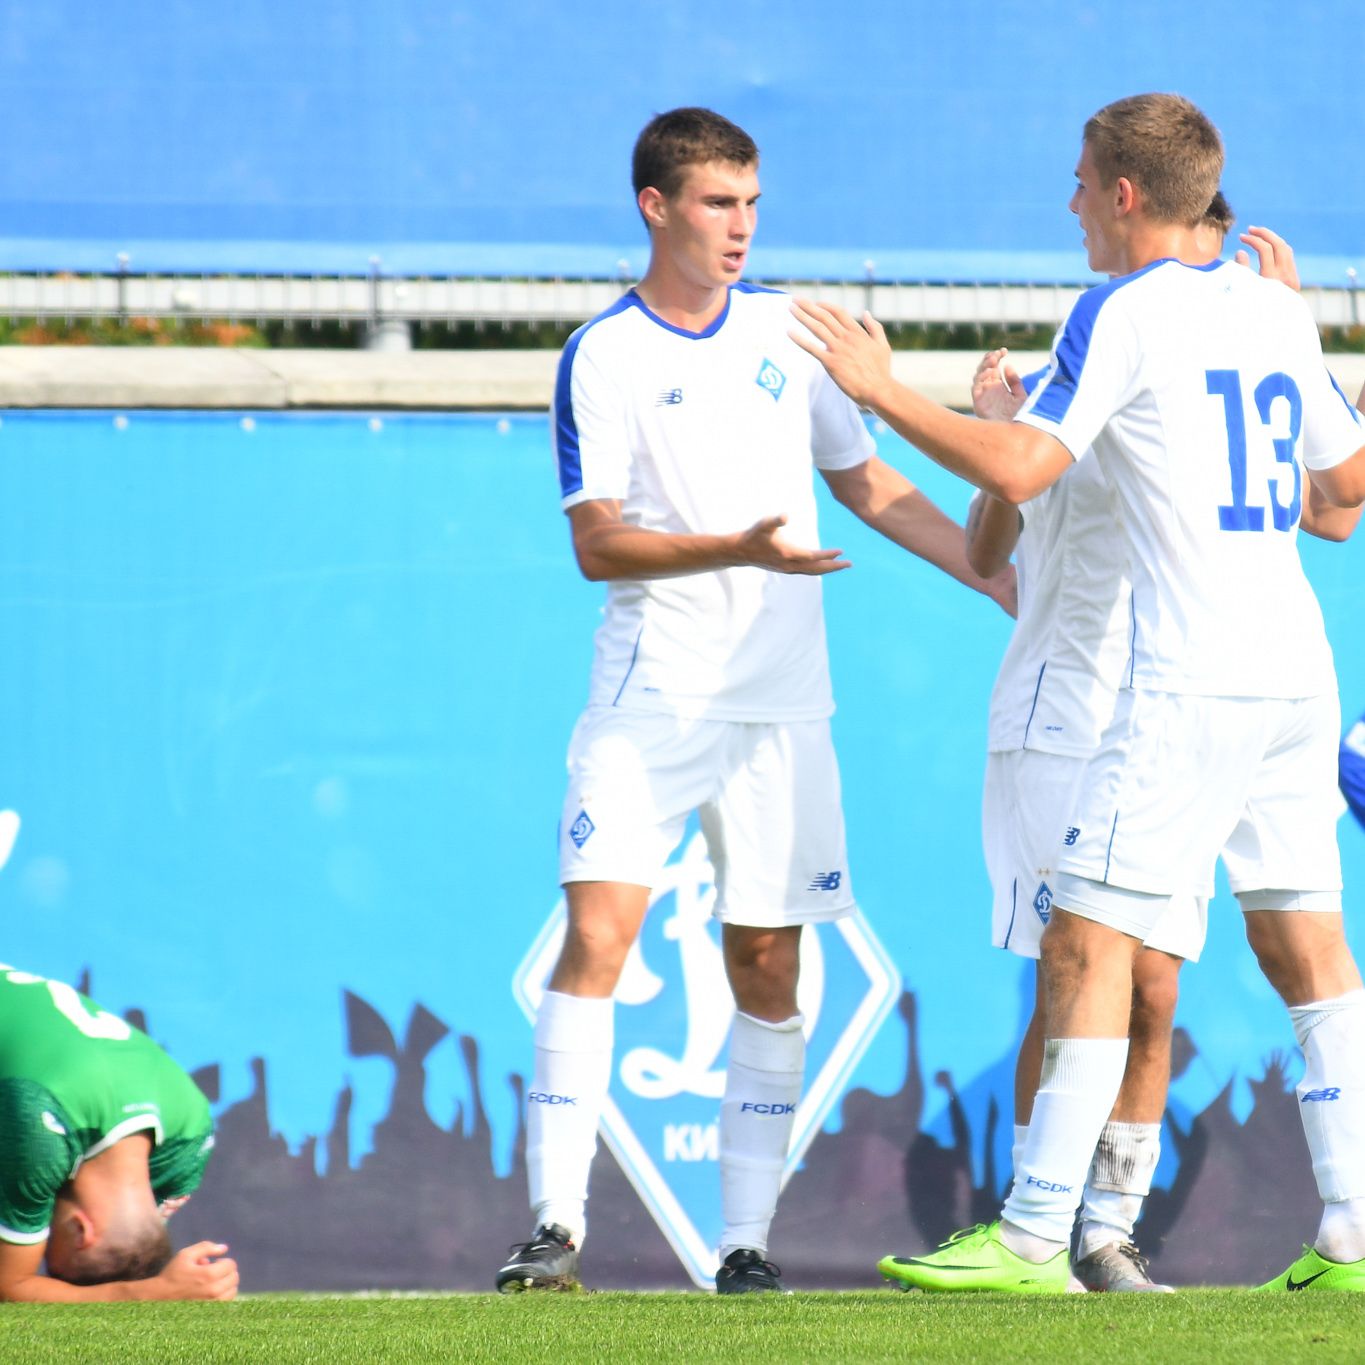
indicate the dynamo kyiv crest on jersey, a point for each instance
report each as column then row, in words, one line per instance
column 672, row 1029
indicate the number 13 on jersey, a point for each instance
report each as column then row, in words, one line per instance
column 1239, row 515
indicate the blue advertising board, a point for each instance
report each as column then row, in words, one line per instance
column 287, row 702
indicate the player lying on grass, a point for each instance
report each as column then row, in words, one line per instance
column 1202, row 391
column 102, row 1138
column 1055, row 692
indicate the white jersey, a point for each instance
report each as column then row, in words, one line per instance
column 1204, row 394
column 706, row 433
column 1069, row 652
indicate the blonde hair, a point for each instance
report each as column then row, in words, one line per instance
column 1165, row 147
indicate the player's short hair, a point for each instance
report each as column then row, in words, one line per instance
column 134, row 1253
column 669, row 143
column 1219, row 214
column 1163, row 145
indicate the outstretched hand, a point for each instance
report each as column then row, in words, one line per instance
column 762, row 547
column 997, row 391
column 201, row 1271
column 856, row 354
column 1274, row 255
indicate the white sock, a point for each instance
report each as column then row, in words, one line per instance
column 573, row 1038
column 1080, row 1082
column 1017, row 1151
column 1341, row 1236
column 1120, row 1179
column 1332, row 1108
column 762, row 1087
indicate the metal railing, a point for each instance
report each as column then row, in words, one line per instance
column 377, row 299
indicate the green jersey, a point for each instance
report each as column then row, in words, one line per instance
column 74, row 1080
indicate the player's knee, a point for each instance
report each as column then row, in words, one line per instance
column 1156, row 990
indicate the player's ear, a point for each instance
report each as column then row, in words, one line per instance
column 1125, row 195
column 653, row 207
column 82, row 1227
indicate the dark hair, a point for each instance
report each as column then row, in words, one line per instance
column 1163, row 145
column 137, row 1255
column 671, row 142
column 1219, row 214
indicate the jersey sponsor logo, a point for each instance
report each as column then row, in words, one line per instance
column 771, row 379
column 51, row 1123
column 1051, row 1186
column 776, row 1110
column 1073, row 832
column 1327, row 1092
column 1042, row 901
column 140, row 1108
column 581, row 829
column 673, row 1017
column 541, row 1097
column 825, row 881
column 668, row 398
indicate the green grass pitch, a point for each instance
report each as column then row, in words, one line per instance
column 1207, row 1326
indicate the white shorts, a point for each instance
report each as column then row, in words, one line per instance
column 1024, row 803
column 1178, row 779
column 767, row 795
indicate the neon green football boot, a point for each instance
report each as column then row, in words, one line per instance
column 1312, row 1271
column 976, row 1259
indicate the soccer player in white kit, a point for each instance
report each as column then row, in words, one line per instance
column 1053, row 696
column 1202, row 392
column 683, row 415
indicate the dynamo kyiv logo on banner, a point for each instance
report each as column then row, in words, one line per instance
column 672, row 1026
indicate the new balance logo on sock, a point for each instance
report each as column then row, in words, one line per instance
column 1328, row 1092
column 540, row 1097
column 773, row 1109
column 1050, row 1186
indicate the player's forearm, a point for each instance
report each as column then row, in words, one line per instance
column 992, row 534
column 621, row 551
column 997, row 457
column 47, row 1289
column 917, row 525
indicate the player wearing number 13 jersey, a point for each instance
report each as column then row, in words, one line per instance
column 102, row 1135
column 1202, row 391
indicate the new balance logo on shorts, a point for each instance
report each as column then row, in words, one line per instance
column 540, row 1097
column 1328, row 1092
column 1072, row 834
column 773, row 1109
column 581, row 829
column 825, row 881
column 668, row 398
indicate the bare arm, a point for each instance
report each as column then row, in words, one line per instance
column 1010, row 460
column 201, row 1271
column 607, row 547
column 889, row 503
column 1323, row 520
column 992, row 533
column 1342, row 486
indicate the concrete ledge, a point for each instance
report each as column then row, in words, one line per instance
column 185, row 377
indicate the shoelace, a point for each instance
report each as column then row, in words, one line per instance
column 774, row 1270
column 962, row 1234
column 518, row 1248
column 1133, row 1254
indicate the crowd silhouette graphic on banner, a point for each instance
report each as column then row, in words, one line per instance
column 425, row 1208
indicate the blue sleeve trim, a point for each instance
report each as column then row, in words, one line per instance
column 1073, row 346
column 1032, row 380
column 567, row 450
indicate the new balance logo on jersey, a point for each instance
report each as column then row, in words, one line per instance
column 773, row 1109
column 1072, row 834
column 771, row 379
column 825, row 881
column 1328, row 1092
column 1042, row 901
column 668, row 398
column 540, row 1097
column 581, row 829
